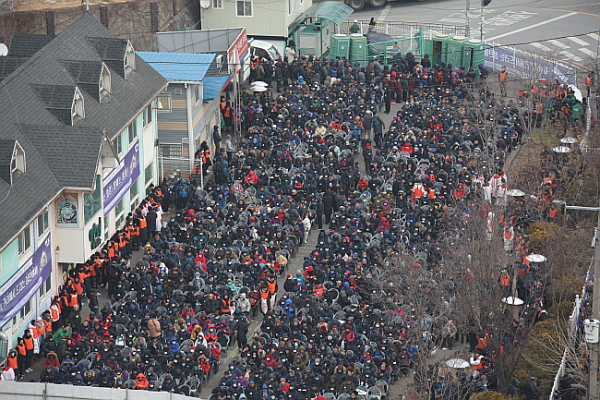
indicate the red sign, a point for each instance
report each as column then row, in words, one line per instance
column 240, row 45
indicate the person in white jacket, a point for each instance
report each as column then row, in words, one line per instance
column 244, row 304
column 307, row 225
column 8, row 374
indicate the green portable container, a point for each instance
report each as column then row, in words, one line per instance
column 455, row 51
column 358, row 48
column 340, row 46
column 473, row 54
column 439, row 51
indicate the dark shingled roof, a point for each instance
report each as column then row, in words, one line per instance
column 8, row 65
column 111, row 51
column 36, row 101
column 27, row 44
column 86, row 74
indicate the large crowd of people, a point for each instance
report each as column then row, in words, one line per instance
column 315, row 158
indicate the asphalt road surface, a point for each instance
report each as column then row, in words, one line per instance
column 568, row 29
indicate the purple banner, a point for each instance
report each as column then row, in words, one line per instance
column 527, row 65
column 120, row 180
column 23, row 285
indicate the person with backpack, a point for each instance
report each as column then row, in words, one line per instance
column 182, row 192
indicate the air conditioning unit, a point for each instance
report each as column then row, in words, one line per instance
column 219, row 60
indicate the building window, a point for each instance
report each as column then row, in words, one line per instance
column 119, row 214
column 164, row 102
column 78, row 107
column 24, row 241
column 42, row 223
column 133, row 196
column 217, row 4
column 105, row 84
column 148, row 115
column 171, row 150
column 290, row 6
column 92, row 202
column 148, row 174
column 106, row 228
column 18, row 161
column 133, row 133
column 129, row 57
column 25, row 310
column 244, row 8
column 118, row 143
column 197, row 93
column 46, row 286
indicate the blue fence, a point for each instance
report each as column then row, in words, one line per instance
column 527, row 66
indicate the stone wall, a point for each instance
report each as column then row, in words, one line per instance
column 136, row 20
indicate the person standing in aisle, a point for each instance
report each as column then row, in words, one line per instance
column 503, row 78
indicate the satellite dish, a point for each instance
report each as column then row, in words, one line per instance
column 3, row 49
column 204, row 3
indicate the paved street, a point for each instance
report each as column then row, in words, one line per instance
column 568, row 29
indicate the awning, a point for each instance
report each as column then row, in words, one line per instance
column 331, row 10
column 214, row 85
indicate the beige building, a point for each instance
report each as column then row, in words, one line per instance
column 261, row 18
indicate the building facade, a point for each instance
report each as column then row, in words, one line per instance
column 261, row 18
column 78, row 140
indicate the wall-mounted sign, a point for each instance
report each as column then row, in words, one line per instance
column 120, row 180
column 23, row 285
column 67, row 211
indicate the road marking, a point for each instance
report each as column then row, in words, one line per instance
column 542, row 47
column 576, row 12
column 594, row 36
column 582, row 5
column 559, row 44
column 531, row 26
column 588, row 52
column 578, row 41
column 384, row 13
column 570, row 56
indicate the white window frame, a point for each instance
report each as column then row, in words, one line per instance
column 44, row 289
column 23, row 315
column 251, row 8
column 43, row 218
column 78, row 106
column 217, row 4
column 161, row 100
column 23, row 247
column 171, row 145
column 105, row 81
column 129, row 57
column 116, row 141
column 18, row 161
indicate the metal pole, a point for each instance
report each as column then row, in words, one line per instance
column 593, row 384
column 482, row 20
column 467, row 26
column 201, row 174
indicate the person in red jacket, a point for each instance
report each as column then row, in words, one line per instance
column 141, row 383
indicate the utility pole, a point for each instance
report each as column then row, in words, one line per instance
column 482, row 20
column 591, row 325
column 467, row 26
column 593, row 383
column 483, row 4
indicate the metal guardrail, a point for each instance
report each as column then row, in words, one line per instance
column 402, row 29
column 573, row 323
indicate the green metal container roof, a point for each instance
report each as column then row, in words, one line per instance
column 331, row 10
